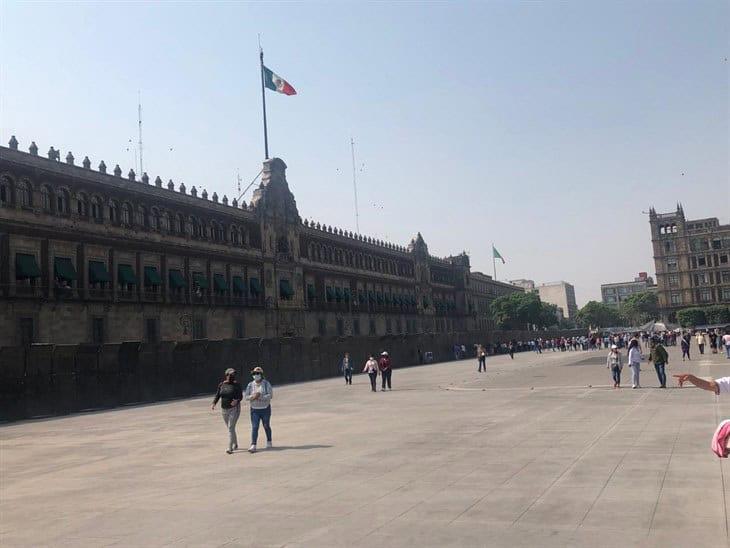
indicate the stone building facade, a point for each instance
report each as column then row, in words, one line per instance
column 88, row 256
column 692, row 261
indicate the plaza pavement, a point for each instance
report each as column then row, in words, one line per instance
column 525, row 455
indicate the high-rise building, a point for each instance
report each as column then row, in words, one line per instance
column 614, row 294
column 527, row 285
column 561, row 294
column 692, row 261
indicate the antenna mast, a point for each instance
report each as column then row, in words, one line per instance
column 354, row 185
column 139, row 123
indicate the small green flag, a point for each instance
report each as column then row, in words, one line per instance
column 496, row 254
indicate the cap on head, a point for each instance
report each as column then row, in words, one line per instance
column 257, row 369
column 384, row 354
column 230, row 371
column 614, row 347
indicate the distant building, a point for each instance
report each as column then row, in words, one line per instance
column 527, row 285
column 483, row 289
column 692, row 261
column 561, row 294
column 615, row 293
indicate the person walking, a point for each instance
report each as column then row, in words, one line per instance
column 700, row 337
column 259, row 393
column 371, row 368
column 230, row 395
column 726, row 342
column 614, row 362
column 511, row 349
column 659, row 356
column 481, row 358
column 386, row 371
column 685, row 346
column 634, row 360
column 346, row 368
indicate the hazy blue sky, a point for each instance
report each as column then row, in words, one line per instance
column 544, row 127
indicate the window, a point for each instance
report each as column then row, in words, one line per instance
column 26, row 331
column 62, row 202
column 144, row 218
column 717, row 243
column 371, row 326
column 356, row 326
column 238, row 332
column 156, row 219
column 97, row 330
column 705, row 295
column 199, row 328
column 723, row 259
column 82, row 205
column 673, row 280
column 701, row 279
column 701, row 261
column 322, row 327
column 96, row 209
column 25, row 194
column 113, row 212
column 672, row 266
column 340, row 327
column 127, row 214
column 670, row 246
column 46, row 202
column 152, row 330
column 726, row 293
column 4, row 192
column 676, row 298
column 726, row 276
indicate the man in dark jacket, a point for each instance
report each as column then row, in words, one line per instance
column 658, row 355
column 385, row 369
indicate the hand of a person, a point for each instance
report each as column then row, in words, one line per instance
column 212, row 407
column 681, row 378
column 234, row 403
column 255, row 396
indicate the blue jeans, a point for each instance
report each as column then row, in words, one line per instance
column 616, row 372
column 263, row 415
column 661, row 374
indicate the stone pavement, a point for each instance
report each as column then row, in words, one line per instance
column 525, row 455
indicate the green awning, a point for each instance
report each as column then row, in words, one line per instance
column 238, row 285
column 200, row 280
column 388, row 298
column 63, row 268
column 361, row 296
column 126, row 275
column 380, row 298
column 311, row 292
column 371, row 296
column 219, row 281
column 346, row 294
column 338, row 294
column 151, row 276
column 255, row 286
column 98, row 273
column 397, row 300
column 285, row 289
column 330, row 293
column 176, row 279
column 26, row 267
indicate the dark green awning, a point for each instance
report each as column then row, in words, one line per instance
column 311, row 292
column 346, row 294
column 361, row 296
column 151, row 276
column 338, row 294
column 63, row 268
column 238, row 285
column 397, row 300
column 330, row 292
column 126, row 275
column 285, row 289
column 255, row 286
column 219, row 280
column 380, row 298
column 177, row 281
column 200, row 280
column 371, row 296
column 26, row 267
column 388, row 298
column 98, row 273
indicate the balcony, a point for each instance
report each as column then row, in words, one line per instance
column 126, row 295
column 100, row 293
column 27, row 290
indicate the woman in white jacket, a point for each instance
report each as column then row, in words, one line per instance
column 615, row 364
column 635, row 362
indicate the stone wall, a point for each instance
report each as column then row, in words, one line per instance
column 45, row 380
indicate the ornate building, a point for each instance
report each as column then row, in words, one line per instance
column 692, row 261
column 91, row 256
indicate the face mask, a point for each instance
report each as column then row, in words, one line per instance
column 257, row 377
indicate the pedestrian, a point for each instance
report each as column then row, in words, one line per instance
column 371, row 368
column 634, row 360
column 714, row 345
column 259, row 393
column 386, row 371
column 726, row 342
column 482, row 358
column 685, row 347
column 614, row 362
column 346, row 368
column 700, row 337
column 230, row 394
column 659, row 356
column 511, row 349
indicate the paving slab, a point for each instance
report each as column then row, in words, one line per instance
column 538, row 451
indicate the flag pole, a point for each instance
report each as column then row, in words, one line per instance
column 263, row 102
column 494, row 263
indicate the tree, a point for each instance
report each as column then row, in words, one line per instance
column 640, row 308
column 690, row 317
column 521, row 310
column 717, row 314
column 597, row 314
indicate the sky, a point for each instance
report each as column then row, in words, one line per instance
column 547, row 128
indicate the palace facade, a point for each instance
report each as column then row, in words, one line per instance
column 88, row 256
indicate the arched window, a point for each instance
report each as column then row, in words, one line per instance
column 216, row 232
column 180, row 225
column 235, row 236
column 168, row 222
column 63, row 202
column 46, row 201
column 196, row 229
column 143, row 217
column 126, row 214
column 82, row 205
column 113, row 212
column 156, row 219
column 95, row 208
column 25, row 194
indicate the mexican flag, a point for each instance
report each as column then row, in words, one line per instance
column 496, row 255
column 276, row 83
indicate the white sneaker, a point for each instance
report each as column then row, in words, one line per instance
column 269, row 445
column 252, row 449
